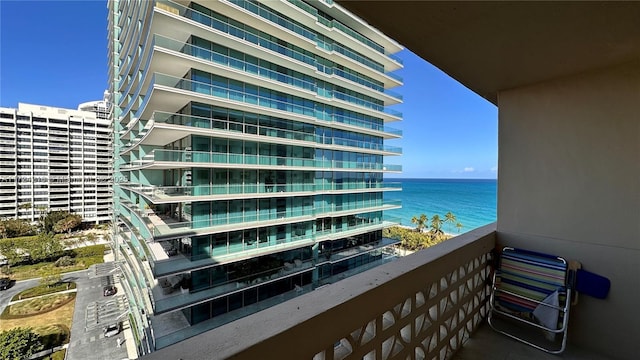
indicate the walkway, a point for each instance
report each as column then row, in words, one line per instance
column 87, row 338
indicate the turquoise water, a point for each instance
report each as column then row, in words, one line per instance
column 472, row 201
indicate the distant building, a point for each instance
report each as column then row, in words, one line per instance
column 250, row 153
column 54, row 159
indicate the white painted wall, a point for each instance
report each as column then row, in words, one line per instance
column 569, row 184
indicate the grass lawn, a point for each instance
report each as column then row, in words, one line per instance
column 58, row 355
column 49, row 316
column 43, row 290
column 84, row 257
column 37, row 306
column 24, row 272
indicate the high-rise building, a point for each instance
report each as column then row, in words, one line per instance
column 249, row 155
column 54, row 159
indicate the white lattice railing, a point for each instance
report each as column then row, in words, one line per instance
column 423, row 306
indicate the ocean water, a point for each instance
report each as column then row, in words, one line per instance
column 472, row 201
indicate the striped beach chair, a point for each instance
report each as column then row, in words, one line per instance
column 530, row 299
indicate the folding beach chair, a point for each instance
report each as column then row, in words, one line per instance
column 530, row 299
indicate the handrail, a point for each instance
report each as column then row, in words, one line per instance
column 235, row 127
column 440, row 293
column 249, row 159
column 167, row 192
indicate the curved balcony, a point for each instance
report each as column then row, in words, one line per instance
column 349, row 35
column 167, row 261
column 263, row 101
column 333, row 257
column 358, row 226
column 171, row 194
column 167, row 227
column 260, row 71
column 160, row 133
column 231, row 62
column 167, row 159
column 442, row 290
column 175, row 93
column 332, row 70
column 176, row 299
column 351, row 208
column 257, row 41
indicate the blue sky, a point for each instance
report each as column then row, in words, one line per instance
column 55, row 53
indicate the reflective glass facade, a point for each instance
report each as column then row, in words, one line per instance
column 250, row 154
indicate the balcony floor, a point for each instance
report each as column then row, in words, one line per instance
column 485, row 343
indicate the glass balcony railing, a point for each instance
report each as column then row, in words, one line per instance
column 168, row 192
column 355, row 227
column 340, row 255
column 179, row 262
column 232, row 30
column 264, row 72
column 359, row 205
column 258, row 70
column 229, row 94
column 335, row 118
column 184, row 156
column 356, row 100
column 352, row 55
column 272, row 16
column 235, row 127
column 242, row 33
column 177, row 299
column 354, row 34
column 343, row 28
column 218, row 58
column 250, row 97
column 162, row 227
column 438, row 267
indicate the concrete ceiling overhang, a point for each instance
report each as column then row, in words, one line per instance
column 493, row 46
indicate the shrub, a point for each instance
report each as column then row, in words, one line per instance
column 19, row 343
column 6, row 270
column 89, row 251
column 65, row 261
column 51, row 280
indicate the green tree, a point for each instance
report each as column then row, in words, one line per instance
column 10, row 228
column 68, row 223
column 19, row 343
column 45, row 247
column 60, row 221
column 51, row 280
column 9, row 250
column 450, row 219
column 458, row 226
column 436, row 227
column 51, row 218
column 421, row 222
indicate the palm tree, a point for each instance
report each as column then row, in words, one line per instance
column 459, row 227
column 421, row 222
column 450, row 219
column 436, row 226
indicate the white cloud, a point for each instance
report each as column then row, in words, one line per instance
column 494, row 169
column 469, row 169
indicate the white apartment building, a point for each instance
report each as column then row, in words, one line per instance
column 54, row 159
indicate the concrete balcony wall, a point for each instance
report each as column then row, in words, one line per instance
column 569, row 184
column 424, row 305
